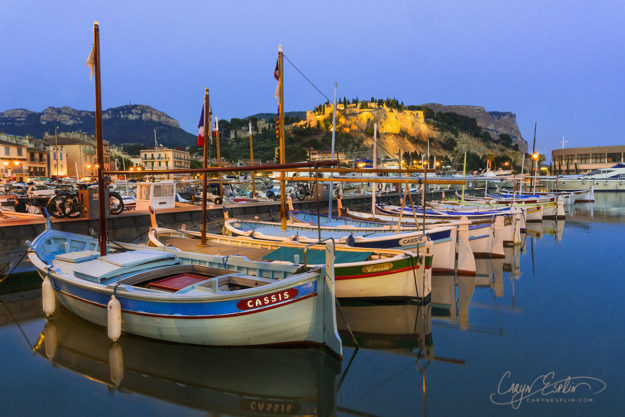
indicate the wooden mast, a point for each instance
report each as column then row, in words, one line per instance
column 207, row 131
column 99, row 142
column 221, row 184
column 281, row 131
column 252, row 162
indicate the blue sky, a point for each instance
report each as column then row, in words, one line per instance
column 559, row 63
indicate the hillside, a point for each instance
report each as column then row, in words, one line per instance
column 124, row 124
column 409, row 129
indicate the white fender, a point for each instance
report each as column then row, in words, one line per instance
column 466, row 260
column 116, row 364
column 48, row 298
column 496, row 250
column 50, row 339
column 114, row 319
column 289, row 200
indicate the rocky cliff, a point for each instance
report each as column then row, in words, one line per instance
column 124, row 124
column 448, row 131
column 495, row 122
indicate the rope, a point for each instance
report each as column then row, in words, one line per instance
column 306, row 78
column 339, row 309
column 14, row 266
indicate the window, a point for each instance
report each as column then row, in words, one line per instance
column 32, row 157
column 614, row 157
column 19, row 151
column 569, row 159
column 159, row 163
column 61, row 155
column 598, row 157
column 583, row 158
column 40, row 157
column 54, row 155
column 7, row 150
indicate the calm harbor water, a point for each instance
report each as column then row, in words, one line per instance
column 555, row 304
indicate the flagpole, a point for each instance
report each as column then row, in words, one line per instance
column 205, row 164
column 252, row 162
column 221, row 185
column 99, row 143
column 282, row 150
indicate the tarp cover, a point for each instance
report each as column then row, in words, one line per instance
column 315, row 256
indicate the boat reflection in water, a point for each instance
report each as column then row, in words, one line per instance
column 401, row 327
column 235, row 381
column 451, row 295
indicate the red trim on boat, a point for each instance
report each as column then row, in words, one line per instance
column 196, row 317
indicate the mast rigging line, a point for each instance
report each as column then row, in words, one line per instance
column 305, row 77
column 328, row 99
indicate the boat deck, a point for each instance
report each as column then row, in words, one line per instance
column 212, row 248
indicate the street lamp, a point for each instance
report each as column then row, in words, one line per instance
column 535, row 158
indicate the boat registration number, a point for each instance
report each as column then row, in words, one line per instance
column 266, row 300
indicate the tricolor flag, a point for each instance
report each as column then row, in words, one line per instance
column 200, row 135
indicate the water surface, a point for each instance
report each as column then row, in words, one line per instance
column 555, row 304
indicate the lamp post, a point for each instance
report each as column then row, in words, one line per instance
column 535, row 158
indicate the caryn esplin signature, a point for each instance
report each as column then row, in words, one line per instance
column 513, row 394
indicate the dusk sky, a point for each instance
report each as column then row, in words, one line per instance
column 559, row 63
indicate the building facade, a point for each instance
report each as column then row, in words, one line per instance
column 584, row 160
column 79, row 153
column 57, row 161
column 165, row 158
column 13, row 161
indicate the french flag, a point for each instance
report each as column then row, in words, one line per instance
column 200, row 135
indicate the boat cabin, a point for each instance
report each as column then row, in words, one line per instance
column 156, row 194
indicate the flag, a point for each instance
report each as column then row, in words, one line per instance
column 276, row 72
column 91, row 62
column 200, row 135
column 276, row 75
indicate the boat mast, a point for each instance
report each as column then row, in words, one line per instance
column 221, row 184
column 252, row 162
column 99, row 142
column 281, row 132
column 375, row 166
column 332, row 153
column 207, row 131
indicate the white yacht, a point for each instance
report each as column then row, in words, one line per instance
column 603, row 179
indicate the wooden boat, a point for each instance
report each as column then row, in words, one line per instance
column 514, row 221
column 486, row 237
column 189, row 298
column 213, row 380
column 552, row 206
column 358, row 272
column 443, row 238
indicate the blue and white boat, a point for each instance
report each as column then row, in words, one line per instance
column 189, row 298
